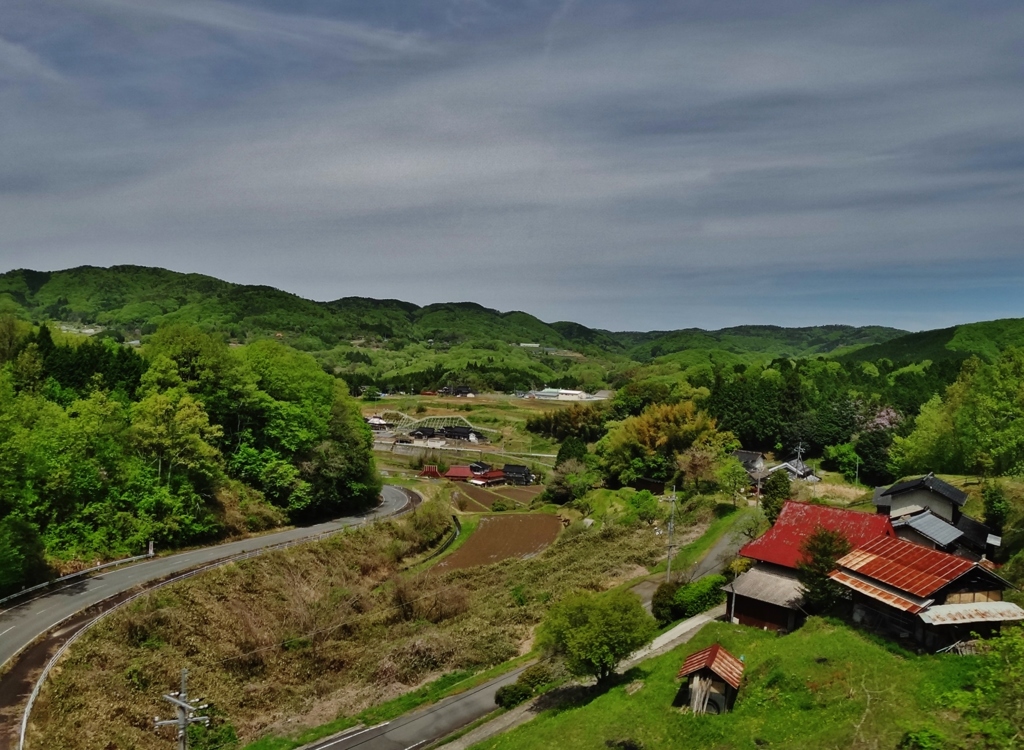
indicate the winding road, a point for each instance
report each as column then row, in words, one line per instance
column 23, row 623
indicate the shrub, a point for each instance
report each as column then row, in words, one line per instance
column 510, row 696
column 500, row 505
column 699, row 596
column 923, row 739
column 535, row 676
column 662, row 603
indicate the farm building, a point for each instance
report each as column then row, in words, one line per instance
column 713, row 678
column 927, row 511
column 517, row 474
column 479, row 467
column 768, row 596
column 459, row 474
column 930, row 597
column 430, row 472
column 488, row 478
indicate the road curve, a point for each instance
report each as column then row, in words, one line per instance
column 23, row 623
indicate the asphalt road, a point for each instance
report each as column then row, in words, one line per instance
column 421, row 727
column 22, row 623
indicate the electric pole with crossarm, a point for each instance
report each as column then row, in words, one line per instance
column 186, row 712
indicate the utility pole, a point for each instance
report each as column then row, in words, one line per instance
column 671, row 528
column 185, row 709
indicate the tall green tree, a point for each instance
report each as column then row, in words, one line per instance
column 820, row 551
column 594, row 632
column 775, row 492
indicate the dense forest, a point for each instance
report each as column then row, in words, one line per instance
column 103, row 449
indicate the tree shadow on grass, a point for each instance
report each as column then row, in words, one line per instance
column 574, row 695
column 724, row 510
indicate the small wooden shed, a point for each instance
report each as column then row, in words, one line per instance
column 712, row 681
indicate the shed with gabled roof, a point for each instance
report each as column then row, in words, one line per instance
column 713, row 678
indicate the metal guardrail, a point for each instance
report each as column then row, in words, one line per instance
column 69, row 576
column 411, row 495
column 448, row 542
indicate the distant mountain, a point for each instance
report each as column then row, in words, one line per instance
column 985, row 340
column 136, row 300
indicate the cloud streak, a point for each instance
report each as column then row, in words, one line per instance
column 813, row 163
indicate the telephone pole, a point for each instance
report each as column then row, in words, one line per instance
column 671, row 528
column 185, row 709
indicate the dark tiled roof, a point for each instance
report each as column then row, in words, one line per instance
column 797, row 521
column 928, row 482
column 975, row 531
column 516, row 469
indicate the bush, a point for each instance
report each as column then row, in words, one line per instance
column 535, row 676
column 510, row 696
column 699, row 596
column 923, row 739
column 501, row 505
column 662, row 603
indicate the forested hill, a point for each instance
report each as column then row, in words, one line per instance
column 986, row 340
column 134, row 298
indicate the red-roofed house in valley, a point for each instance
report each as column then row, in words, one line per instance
column 713, row 680
column 933, row 597
column 459, row 474
column 769, row 596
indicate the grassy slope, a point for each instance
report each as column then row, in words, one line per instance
column 811, row 689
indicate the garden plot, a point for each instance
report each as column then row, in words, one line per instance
column 500, row 537
column 520, row 494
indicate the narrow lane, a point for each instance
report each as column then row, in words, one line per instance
column 23, row 623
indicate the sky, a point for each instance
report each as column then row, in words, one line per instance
column 626, row 165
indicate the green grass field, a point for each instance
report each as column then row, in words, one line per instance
column 825, row 686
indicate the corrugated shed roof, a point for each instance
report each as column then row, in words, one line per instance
column 773, row 586
column 882, row 593
column 718, row 660
column 781, row 543
column 929, row 525
column 962, row 614
column 928, row 482
column 905, row 566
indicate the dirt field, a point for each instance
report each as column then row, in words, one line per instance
column 483, row 496
column 501, row 537
column 520, row 494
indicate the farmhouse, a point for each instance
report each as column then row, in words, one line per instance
column 713, row 678
column 459, row 474
column 927, row 511
column 769, row 596
column 488, row 478
column 924, row 595
column 517, row 474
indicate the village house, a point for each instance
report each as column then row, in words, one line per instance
column 928, row 511
column 922, row 595
column 459, row 474
column 769, row 596
column 517, row 474
column 713, row 677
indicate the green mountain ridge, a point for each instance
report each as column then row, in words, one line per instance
column 137, row 298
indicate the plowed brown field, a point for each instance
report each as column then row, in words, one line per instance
column 500, row 537
column 483, row 496
column 520, row 494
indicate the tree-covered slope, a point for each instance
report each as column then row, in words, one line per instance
column 130, row 298
column 986, row 340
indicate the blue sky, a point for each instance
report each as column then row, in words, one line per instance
column 627, row 165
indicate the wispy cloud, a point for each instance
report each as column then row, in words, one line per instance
column 651, row 168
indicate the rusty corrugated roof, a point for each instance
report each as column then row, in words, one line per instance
column 884, row 594
column 718, row 660
column 905, row 566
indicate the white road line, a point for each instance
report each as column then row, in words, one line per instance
column 350, row 736
column 8, row 630
column 421, row 742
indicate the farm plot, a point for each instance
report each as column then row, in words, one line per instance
column 482, row 496
column 498, row 538
column 520, row 494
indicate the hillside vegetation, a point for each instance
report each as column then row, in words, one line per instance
column 823, row 686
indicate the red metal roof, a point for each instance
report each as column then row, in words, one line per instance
column 797, row 521
column 492, row 474
column 907, row 603
column 430, row 470
column 459, row 472
column 905, row 566
column 718, row 660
